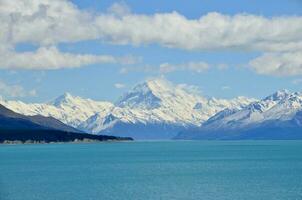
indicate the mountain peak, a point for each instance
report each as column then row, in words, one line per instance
column 64, row 98
column 142, row 95
column 155, row 85
column 66, row 95
column 152, row 94
column 282, row 92
column 279, row 95
column 158, row 84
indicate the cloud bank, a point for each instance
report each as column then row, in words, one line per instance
column 56, row 21
column 50, row 22
column 278, row 64
column 119, row 85
column 49, row 59
column 198, row 67
column 165, row 68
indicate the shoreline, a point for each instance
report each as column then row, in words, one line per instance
column 85, row 141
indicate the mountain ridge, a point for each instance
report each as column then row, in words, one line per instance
column 18, row 128
column 277, row 116
column 155, row 103
column 173, row 108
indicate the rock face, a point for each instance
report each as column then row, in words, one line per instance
column 15, row 127
column 278, row 116
column 12, row 120
column 154, row 109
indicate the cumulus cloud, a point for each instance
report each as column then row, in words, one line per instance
column 211, row 31
column 46, row 24
column 119, row 85
column 198, row 67
column 49, row 58
column 55, row 21
column 119, row 9
column 225, row 87
column 278, row 64
column 8, row 90
column 194, row 66
column 51, row 22
column 165, row 68
column 141, row 68
column 190, row 88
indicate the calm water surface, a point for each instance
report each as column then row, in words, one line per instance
column 247, row 170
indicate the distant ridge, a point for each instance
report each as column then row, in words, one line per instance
column 39, row 120
column 278, row 116
column 15, row 127
column 157, row 109
column 153, row 109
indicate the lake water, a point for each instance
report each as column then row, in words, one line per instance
column 247, row 170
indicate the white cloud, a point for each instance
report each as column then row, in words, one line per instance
column 278, row 64
column 119, row 9
column 44, row 22
column 55, row 21
column 47, row 23
column 190, row 88
column 225, row 87
column 198, row 67
column 211, row 31
column 51, row 22
column 165, row 68
column 49, row 58
column 141, row 68
column 8, row 90
column 119, row 85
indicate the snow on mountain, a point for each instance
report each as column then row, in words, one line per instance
column 281, row 105
column 66, row 108
column 158, row 101
column 273, row 114
column 155, row 105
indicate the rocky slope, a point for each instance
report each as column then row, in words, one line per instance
column 18, row 128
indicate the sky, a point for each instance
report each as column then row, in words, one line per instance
column 99, row 49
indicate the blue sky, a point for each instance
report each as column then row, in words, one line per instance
column 222, row 71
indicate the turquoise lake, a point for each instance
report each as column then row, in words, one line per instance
column 231, row 170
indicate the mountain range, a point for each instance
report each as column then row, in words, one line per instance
column 154, row 109
column 157, row 109
column 278, row 116
column 15, row 127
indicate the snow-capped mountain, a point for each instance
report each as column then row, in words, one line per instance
column 154, row 109
column 276, row 116
column 66, row 108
